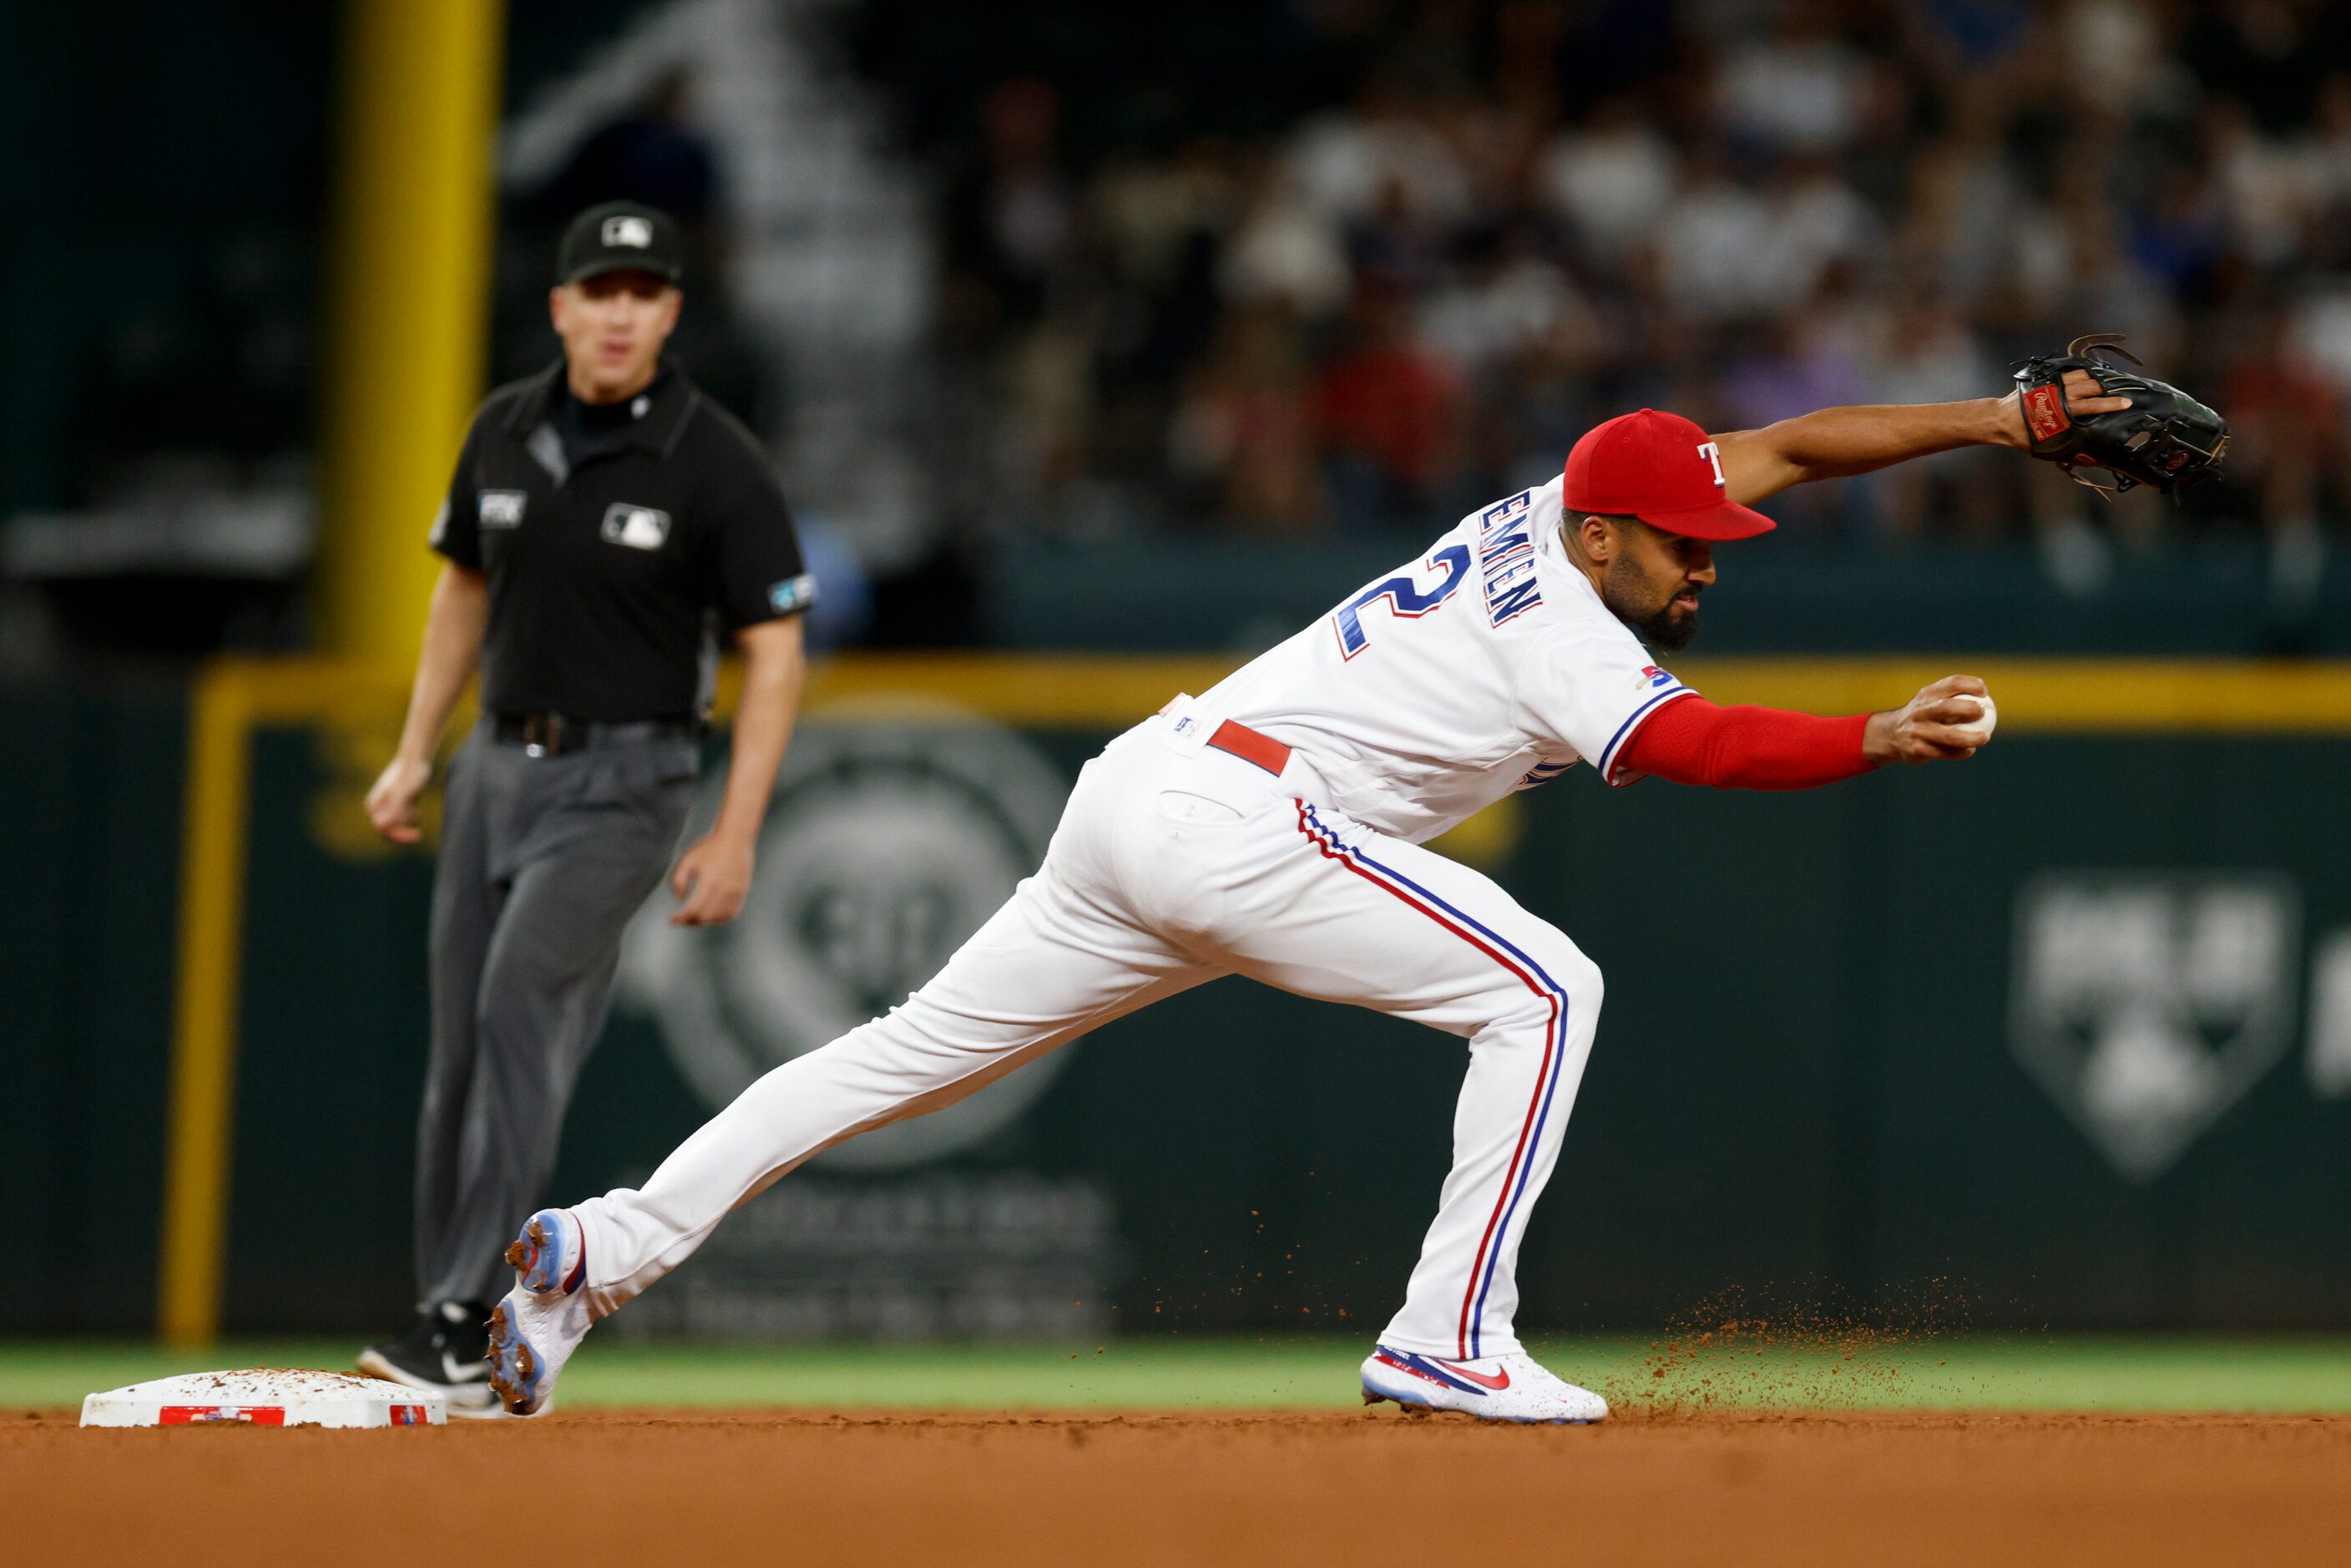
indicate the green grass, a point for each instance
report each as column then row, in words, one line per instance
column 1980, row 1372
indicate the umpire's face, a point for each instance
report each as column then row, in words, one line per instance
column 613, row 325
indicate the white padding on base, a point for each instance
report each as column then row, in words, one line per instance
column 264, row 1396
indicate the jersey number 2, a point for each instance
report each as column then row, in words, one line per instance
column 1403, row 595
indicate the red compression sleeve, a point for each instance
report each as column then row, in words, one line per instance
column 1692, row 741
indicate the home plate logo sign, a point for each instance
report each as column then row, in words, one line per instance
column 264, row 1396
column 2148, row 1003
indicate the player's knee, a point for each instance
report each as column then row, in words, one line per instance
column 1589, row 988
column 1577, row 977
column 1563, row 983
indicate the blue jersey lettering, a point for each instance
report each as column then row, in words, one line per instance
column 1403, row 596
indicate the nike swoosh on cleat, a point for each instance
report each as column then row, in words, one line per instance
column 1428, row 1369
column 1497, row 1382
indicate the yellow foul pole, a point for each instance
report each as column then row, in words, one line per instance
column 408, row 263
column 410, row 269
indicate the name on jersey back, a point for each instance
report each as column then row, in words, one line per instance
column 1506, row 558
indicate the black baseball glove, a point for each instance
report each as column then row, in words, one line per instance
column 2165, row 438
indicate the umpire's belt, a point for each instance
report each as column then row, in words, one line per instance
column 556, row 734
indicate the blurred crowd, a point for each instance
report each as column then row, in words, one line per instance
column 1504, row 222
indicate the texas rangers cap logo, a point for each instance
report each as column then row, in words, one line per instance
column 628, row 229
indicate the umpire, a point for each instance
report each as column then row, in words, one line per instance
column 605, row 521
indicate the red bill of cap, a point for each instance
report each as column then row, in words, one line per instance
column 1661, row 468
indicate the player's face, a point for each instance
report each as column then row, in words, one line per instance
column 612, row 327
column 1652, row 581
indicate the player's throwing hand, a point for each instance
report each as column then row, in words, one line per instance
column 1944, row 721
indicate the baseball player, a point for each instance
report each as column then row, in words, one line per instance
column 1271, row 827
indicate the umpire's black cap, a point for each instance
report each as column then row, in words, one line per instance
column 619, row 236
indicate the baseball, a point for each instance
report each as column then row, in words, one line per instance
column 1979, row 731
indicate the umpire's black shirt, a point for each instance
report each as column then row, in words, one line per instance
column 611, row 536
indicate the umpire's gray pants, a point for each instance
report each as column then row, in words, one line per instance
column 543, row 861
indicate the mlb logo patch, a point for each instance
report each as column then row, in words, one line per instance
column 635, row 233
column 502, row 508
column 639, row 527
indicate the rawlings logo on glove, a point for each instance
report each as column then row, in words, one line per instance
column 2165, row 438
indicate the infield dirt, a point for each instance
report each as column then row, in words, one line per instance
column 1371, row 1489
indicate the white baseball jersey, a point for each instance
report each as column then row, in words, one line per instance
column 1489, row 665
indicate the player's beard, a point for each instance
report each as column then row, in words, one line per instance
column 1633, row 599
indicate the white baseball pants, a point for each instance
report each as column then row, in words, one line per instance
column 1174, row 863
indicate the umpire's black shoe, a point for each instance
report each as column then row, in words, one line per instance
column 447, row 1352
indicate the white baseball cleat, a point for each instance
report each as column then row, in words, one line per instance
column 543, row 1319
column 1514, row 1388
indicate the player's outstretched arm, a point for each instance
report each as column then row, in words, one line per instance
column 1836, row 443
column 1691, row 741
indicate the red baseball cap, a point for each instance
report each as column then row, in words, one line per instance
column 1661, row 468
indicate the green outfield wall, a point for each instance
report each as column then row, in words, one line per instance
column 2060, row 1036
